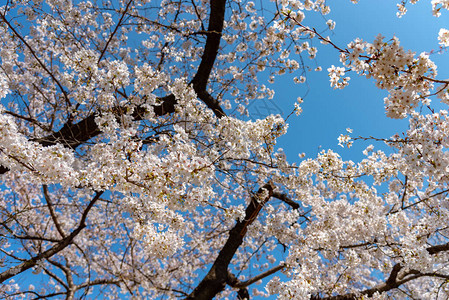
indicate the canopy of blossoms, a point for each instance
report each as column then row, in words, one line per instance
column 128, row 169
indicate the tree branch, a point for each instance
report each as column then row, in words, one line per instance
column 217, row 277
column 392, row 282
column 438, row 248
column 115, row 31
column 73, row 135
column 286, row 199
column 235, row 283
column 199, row 82
column 53, row 250
column 52, row 212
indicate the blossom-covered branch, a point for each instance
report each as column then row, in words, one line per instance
column 60, row 245
column 217, row 277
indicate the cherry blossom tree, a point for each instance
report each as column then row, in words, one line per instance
column 128, row 169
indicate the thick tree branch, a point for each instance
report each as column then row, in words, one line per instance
column 217, row 277
column 438, row 248
column 53, row 250
column 199, row 82
column 3, row 169
column 286, row 199
column 211, row 102
column 73, row 135
column 216, row 21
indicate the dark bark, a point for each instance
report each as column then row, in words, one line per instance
column 286, row 199
column 217, row 277
column 243, row 294
column 438, row 248
column 3, row 169
column 216, row 21
column 199, row 82
column 73, row 135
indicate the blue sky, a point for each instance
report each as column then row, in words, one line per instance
column 328, row 112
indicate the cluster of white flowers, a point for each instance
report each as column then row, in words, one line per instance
column 298, row 288
column 159, row 242
column 336, row 77
column 443, row 37
column 51, row 164
column 437, row 5
column 407, row 78
column 345, row 139
column 4, row 90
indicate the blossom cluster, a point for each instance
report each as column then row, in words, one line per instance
column 408, row 78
